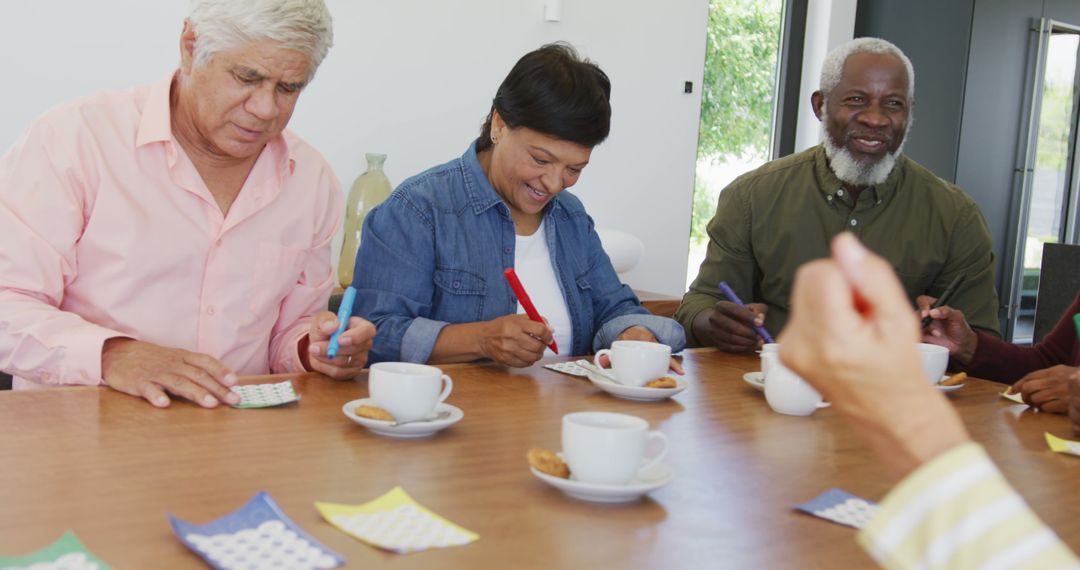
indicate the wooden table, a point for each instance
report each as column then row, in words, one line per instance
column 109, row 467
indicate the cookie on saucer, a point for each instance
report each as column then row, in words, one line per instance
column 663, row 382
column 373, row 413
column 955, row 379
column 545, row 461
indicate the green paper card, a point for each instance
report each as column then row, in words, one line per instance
column 67, row 553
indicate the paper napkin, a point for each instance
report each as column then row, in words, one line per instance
column 1062, row 445
column 265, row 395
column 1013, row 397
column 397, row 523
column 840, row 507
column 253, row 536
column 67, row 553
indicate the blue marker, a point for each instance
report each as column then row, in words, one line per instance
column 735, row 299
column 343, row 313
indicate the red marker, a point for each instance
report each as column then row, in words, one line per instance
column 526, row 302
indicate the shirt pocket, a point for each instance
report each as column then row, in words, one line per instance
column 277, row 271
column 580, row 304
column 459, row 296
column 583, row 284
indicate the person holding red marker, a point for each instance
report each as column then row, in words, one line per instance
column 430, row 268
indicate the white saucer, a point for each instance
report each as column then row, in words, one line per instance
column 410, row 430
column 947, row 388
column 755, row 379
column 644, row 483
column 639, row 393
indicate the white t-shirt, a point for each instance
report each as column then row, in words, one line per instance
column 532, row 263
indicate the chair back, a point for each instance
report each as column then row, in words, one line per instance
column 1059, row 282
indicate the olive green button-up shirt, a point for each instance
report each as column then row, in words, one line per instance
column 770, row 221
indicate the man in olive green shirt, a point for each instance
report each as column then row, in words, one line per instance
column 772, row 220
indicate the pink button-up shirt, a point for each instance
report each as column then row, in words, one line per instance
column 107, row 230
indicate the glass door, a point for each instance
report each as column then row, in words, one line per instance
column 1047, row 209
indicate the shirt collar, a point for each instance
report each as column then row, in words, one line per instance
column 830, row 185
column 155, row 126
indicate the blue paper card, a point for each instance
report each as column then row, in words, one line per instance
column 840, row 507
column 258, row 535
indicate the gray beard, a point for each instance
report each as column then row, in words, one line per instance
column 853, row 172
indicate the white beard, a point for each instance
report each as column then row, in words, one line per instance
column 853, row 172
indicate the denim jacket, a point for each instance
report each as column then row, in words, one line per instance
column 434, row 253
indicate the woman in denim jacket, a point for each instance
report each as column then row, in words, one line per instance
column 429, row 272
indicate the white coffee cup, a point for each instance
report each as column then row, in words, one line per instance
column 608, row 448
column 635, row 362
column 408, row 391
column 786, row 392
column 767, row 348
column 935, row 359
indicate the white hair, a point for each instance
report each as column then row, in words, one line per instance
column 833, row 67
column 301, row 25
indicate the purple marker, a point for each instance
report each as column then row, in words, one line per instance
column 735, row 299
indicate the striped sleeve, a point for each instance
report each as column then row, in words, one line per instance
column 958, row 511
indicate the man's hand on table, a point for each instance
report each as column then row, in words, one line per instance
column 1047, row 389
column 730, row 327
column 152, row 372
column 353, row 346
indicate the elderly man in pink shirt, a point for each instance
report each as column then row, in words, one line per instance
column 166, row 239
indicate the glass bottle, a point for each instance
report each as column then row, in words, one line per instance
column 368, row 191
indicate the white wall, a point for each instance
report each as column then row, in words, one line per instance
column 414, row 79
column 829, row 23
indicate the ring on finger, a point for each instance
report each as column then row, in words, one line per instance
column 348, row 360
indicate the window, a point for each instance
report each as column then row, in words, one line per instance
column 737, row 104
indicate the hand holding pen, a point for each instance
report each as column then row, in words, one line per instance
column 526, row 302
column 338, row 346
column 343, row 314
column 946, row 326
column 944, row 298
column 759, row 329
column 731, row 325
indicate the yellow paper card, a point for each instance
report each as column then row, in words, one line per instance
column 395, row 522
column 1062, row 445
column 1014, row 397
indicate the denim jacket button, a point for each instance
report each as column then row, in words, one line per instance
column 506, row 249
column 456, row 284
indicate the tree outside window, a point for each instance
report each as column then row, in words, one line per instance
column 737, row 102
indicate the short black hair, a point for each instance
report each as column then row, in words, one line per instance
column 553, row 91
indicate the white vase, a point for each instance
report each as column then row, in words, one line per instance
column 369, row 190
